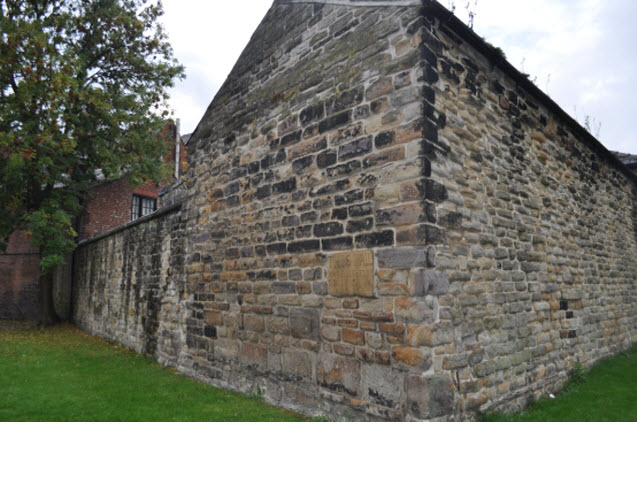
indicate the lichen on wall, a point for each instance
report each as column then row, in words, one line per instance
column 128, row 285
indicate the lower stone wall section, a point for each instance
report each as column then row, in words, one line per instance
column 128, row 286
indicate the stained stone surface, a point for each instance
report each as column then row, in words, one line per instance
column 503, row 236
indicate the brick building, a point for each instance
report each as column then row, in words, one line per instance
column 108, row 205
column 114, row 203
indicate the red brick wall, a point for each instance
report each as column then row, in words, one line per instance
column 20, row 277
column 109, row 205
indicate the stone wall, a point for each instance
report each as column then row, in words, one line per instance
column 384, row 220
column 313, row 147
column 540, row 245
column 128, row 285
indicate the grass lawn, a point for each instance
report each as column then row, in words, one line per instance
column 62, row 374
column 607, row 393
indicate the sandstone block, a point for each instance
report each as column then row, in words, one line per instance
column 304, row 323
column 330, row 333
column 414, row 357
column 407, row 214
column 254, row 355
column 379, row 88
column 430, row 282
column 297, row 364
column 381, row 385
column 355, row 337
column 339, row 374
column 430, row 396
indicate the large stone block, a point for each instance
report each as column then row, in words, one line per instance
column 382, row 385
column 401, row 258
column 430, row 396
column 297, row 364
column 254, row 356
column 430, row 282
column 304, row 323
column 351, row 274
column 339, row 374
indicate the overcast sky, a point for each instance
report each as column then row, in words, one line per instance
column 581, row 52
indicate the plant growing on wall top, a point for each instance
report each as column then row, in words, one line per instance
column 83, row 86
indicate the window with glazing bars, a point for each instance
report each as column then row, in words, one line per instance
column 142, row 206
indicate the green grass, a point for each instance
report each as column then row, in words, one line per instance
column 62, row 374
column 606, row 393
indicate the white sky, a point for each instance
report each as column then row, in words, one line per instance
column 581, row 52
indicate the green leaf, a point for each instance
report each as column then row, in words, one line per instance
column 79, row 90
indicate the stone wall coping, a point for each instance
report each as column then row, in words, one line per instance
column 156, row 214
column 169, row 188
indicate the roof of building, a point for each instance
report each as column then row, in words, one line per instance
column 627, row 159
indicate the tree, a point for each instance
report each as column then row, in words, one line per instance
column 83, row 89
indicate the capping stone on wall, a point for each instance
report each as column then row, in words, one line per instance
column 502, row 244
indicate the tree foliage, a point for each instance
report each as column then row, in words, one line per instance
column 83, row 89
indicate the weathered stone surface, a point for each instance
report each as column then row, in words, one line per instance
column 401, row 258
column 381, row 385
column 296, row 363
column 339, row 374
column 502, row 237
column 304, row 323
column 430, row 282
column 430, row 396
column 414, row 357
column 254, row 355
